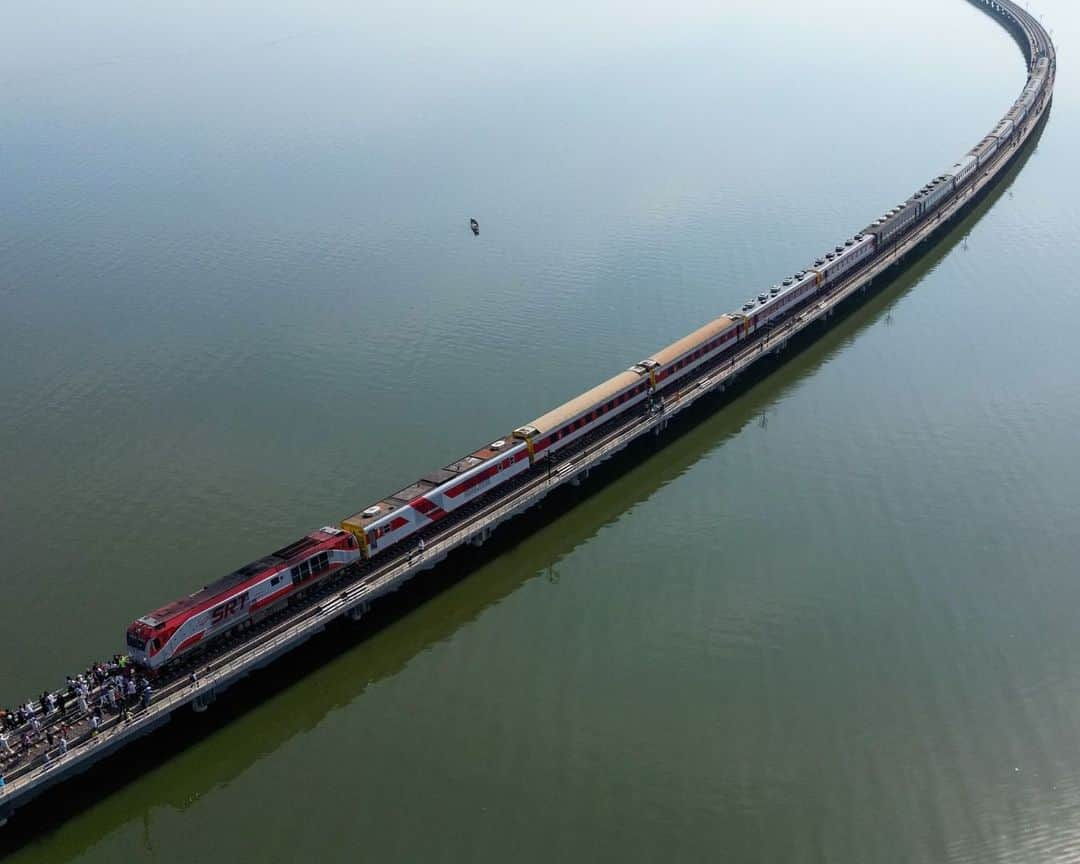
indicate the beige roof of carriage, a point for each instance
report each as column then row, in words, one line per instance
column 688, row 343
column 585, row 402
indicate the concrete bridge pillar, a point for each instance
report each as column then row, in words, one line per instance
column 203, row 701
column 358, row 611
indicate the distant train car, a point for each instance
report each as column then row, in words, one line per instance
column 936, row 191
column 845, row 257
column 1004, row 131
column 963, row 169
column 985, row 149
column 892, row 226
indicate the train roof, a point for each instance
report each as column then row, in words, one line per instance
column 556, row 417
column 276, row 560
column 877, row 227
column 694, row 340
column 386, row 506
column 1003, row 128
column 932, row 185
column 238, row 576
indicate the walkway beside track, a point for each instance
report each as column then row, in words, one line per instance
column 364, row 584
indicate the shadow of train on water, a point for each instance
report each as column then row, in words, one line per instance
column 579, row 514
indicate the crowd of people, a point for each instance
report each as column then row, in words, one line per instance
column 50, row 724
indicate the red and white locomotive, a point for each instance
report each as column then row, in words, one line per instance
column 242, row 598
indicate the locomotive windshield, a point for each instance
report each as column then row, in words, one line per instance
column 135, row 642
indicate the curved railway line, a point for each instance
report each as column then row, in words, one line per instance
column 644, row 405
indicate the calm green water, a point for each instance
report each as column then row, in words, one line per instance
column 836, row 621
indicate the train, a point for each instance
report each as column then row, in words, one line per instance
column 181, row 630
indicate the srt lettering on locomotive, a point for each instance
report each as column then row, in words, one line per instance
column 229, row 608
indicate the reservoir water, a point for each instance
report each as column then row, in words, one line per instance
column 239, row 298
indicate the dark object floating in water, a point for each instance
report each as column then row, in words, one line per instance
column 475, row 226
